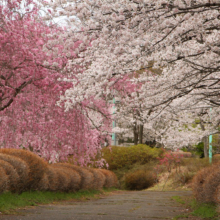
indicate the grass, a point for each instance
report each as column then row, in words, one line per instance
column 205, row 211
column 10, row 202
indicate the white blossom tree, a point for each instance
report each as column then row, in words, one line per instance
column 180, row 37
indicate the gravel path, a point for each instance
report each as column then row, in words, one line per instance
column 125, row 205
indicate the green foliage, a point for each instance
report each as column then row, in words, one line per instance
column 184, row 149
column 119, row 157
column 199, row 149
column 139, row 180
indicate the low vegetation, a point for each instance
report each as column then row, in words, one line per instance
column 140, row 166
column 126, row 157
column 22, row 170
column 206, row 211
column 11, row 202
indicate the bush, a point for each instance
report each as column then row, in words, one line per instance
column 217, row 194
column 199, row 149
column 199, row 181
column 53, row 182
column 139, row 180
column 182, row 154
column 12, row 175
column 87, row 177
column 111, row 179
column 195, row 164
column 212, row 181
column 22, row 169
column 36, row 165
column 99, row 179
column 3, row 180
column 118, row 157
column 183, row 177
column 44, row 183
column 75, row 178
column 63, row 179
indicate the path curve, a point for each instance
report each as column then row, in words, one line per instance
column 128, row 205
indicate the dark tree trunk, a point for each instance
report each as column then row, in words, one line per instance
column 141, row 130
column 135, row 134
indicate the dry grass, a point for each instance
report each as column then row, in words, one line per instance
column 36, row 164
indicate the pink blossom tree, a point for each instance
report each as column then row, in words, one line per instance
column 33, row 60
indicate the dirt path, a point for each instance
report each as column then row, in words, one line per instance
column 133, row 205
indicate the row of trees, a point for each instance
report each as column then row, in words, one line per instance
column 160, row 58
column 178, row 37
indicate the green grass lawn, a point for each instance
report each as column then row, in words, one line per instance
column 206, row 211
column 9, row 202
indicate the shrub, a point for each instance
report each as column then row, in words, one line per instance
column 217, row 194
column 171, row 161
column 22, row 169
column 216, row 158
column 198, row 183
column 63, row 179
column 183, row 177
column 139, row 180
column 211, row 183
column 75, row 178
column 199, row 149
column 43, row 184
column 183, row 154
column 36, row 165
column 87, row 177
column 3, row 180
column 99, row 179
column 118, row 157
column 111, row 179
column 53, row 181
column 195, row 164
column 12, row 175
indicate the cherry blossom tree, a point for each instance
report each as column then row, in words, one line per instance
column 33, row 60
column 179, row 37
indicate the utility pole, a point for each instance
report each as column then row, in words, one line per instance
column 210, row 142
column 114, row 124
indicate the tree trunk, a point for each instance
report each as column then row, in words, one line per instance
column 206, row 145
column 141, row 130
column 135, row 134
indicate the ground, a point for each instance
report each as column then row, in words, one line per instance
column 119, row 205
